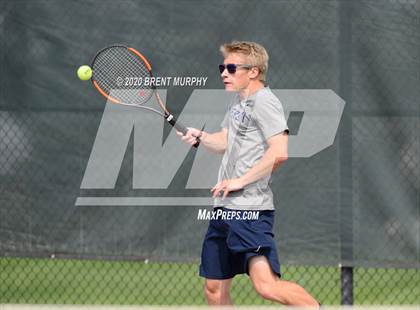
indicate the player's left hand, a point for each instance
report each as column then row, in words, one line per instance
column 227, row 186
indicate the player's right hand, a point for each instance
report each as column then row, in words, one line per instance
column 191, row 135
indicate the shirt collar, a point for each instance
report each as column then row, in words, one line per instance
column 250, row 100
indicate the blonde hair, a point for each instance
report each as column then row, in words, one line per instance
column 256, row 55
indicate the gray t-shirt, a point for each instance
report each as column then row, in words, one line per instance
column 250, row 122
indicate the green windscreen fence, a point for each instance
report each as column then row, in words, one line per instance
column 354, row 203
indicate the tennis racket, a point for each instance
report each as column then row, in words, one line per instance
column 119, row 73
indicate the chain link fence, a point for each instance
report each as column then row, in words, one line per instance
column 64, row 281
column 355, row 204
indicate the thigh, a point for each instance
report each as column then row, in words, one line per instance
column 254, row 238
column 260, row 270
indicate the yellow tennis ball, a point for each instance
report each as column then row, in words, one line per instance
column 84, row 73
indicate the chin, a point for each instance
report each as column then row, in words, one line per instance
column 229, row 88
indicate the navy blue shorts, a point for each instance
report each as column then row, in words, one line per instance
column 230, row 243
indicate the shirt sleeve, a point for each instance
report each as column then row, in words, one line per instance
column 269, row 117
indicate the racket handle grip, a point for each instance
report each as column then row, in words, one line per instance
column 180, row 127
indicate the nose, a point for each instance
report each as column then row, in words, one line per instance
column 224, row 73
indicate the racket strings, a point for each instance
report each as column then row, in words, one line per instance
column 121, row 74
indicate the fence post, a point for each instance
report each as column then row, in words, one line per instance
column 346, row 215
column 346, row 285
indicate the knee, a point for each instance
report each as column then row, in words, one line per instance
column 213, row 291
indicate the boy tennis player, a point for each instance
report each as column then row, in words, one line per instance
column 253, row 139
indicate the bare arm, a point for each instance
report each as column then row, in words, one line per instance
column 214, row 142
column 274, row 156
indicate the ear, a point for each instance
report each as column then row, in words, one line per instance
column 253, row 73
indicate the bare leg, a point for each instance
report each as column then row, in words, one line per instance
column 270, row 287
column 218, row 292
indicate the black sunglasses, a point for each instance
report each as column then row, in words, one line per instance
column 231, row 68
